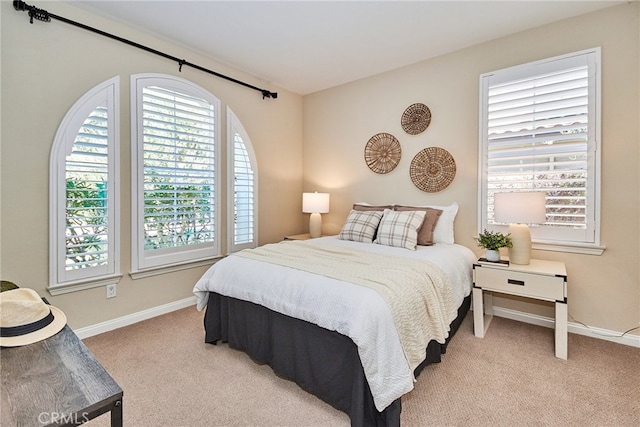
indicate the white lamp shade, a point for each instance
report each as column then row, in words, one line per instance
column 520, row 208
column 315, row 202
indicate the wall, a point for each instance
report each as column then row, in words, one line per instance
column 46, row 67
column 604, row 291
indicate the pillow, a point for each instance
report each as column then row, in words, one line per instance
column 400, row 229
column 425, row 233
column 368, row 207
column 360, row 226
column 443, row 233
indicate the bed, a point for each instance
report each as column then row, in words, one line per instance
column 323, row 312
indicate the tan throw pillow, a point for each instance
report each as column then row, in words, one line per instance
column 368, row 207
column 360, row 226
column 444, row 231
column 425, row 234
column 400, row 229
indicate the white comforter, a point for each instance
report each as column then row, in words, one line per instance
column 352, row 310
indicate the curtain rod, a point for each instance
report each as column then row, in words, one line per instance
column 44, row 16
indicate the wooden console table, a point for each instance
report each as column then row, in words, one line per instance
column 56, row 382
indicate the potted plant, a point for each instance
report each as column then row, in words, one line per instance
column 492, row 241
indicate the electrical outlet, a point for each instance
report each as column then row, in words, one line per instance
column 111, row 290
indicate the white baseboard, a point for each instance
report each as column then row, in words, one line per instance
column 130, row 319
column 573, row 327
column 534, row 319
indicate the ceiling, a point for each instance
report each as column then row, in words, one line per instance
column 307, row 46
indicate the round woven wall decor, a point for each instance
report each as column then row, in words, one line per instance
column 382, row 153
column 416, row 118
column 432, row 169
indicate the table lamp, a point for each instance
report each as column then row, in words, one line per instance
column 315, row 204
column 518, row 209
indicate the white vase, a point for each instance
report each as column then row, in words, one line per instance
column 493, row 255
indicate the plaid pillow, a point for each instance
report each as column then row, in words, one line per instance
column 361, row 226
column 400, row 229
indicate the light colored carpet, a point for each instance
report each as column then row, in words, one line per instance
column 170, row 377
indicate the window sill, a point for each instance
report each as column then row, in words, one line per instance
column 81, row 285
column 156, row 271
column 584, row 249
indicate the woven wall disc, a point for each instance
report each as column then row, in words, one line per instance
column 432, row 169
column 416, row 118
column 382, row 153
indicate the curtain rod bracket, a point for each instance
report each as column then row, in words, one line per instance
column 267, row 94
column 43, row 15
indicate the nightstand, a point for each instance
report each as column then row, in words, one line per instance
column 543, row 280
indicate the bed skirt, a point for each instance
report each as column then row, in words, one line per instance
column 322, row 362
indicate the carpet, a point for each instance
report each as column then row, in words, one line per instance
column 170, row 377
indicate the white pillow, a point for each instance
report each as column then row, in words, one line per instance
column 400, row 229
column 443, row 233
column 360, row 226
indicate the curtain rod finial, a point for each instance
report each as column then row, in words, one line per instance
column 34, row 12
column 19, row 5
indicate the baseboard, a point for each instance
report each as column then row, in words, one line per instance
column 534, row 319
column 130, row 319
column 573, row 327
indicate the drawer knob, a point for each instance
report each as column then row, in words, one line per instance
column 515, row 282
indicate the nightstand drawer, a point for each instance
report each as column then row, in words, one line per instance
column 539, row 286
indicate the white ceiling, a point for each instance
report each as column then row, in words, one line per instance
column 307, row 46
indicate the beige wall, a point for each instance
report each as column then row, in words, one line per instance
column 604, row 291
column 46, row 67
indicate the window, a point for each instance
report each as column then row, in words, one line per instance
column 174, row 160
column 243, row 189
column 84, row 227
column 540, row 130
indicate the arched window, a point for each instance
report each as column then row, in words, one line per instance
column 175, row 209
column 242, row 205
column 84, row 196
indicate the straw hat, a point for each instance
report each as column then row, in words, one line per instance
column 25, row 318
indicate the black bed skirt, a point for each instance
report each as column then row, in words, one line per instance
column 322, row 362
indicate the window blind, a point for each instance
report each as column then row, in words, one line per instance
column 178, row 168
column 87, row 174
column 537, row 139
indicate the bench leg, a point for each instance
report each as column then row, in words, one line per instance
column 116, row 414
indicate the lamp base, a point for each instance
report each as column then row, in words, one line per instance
column 520, row 253
column 315, row 225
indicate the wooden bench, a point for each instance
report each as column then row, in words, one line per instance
column 56, row 381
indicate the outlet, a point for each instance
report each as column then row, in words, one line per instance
column 111, row 290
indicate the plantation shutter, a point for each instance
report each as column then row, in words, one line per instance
column 87, row 192
column 84, row 226
column 243, row 193
column 539, row 135
column 179, row 175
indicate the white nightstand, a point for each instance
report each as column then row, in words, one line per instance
column 543, row 280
